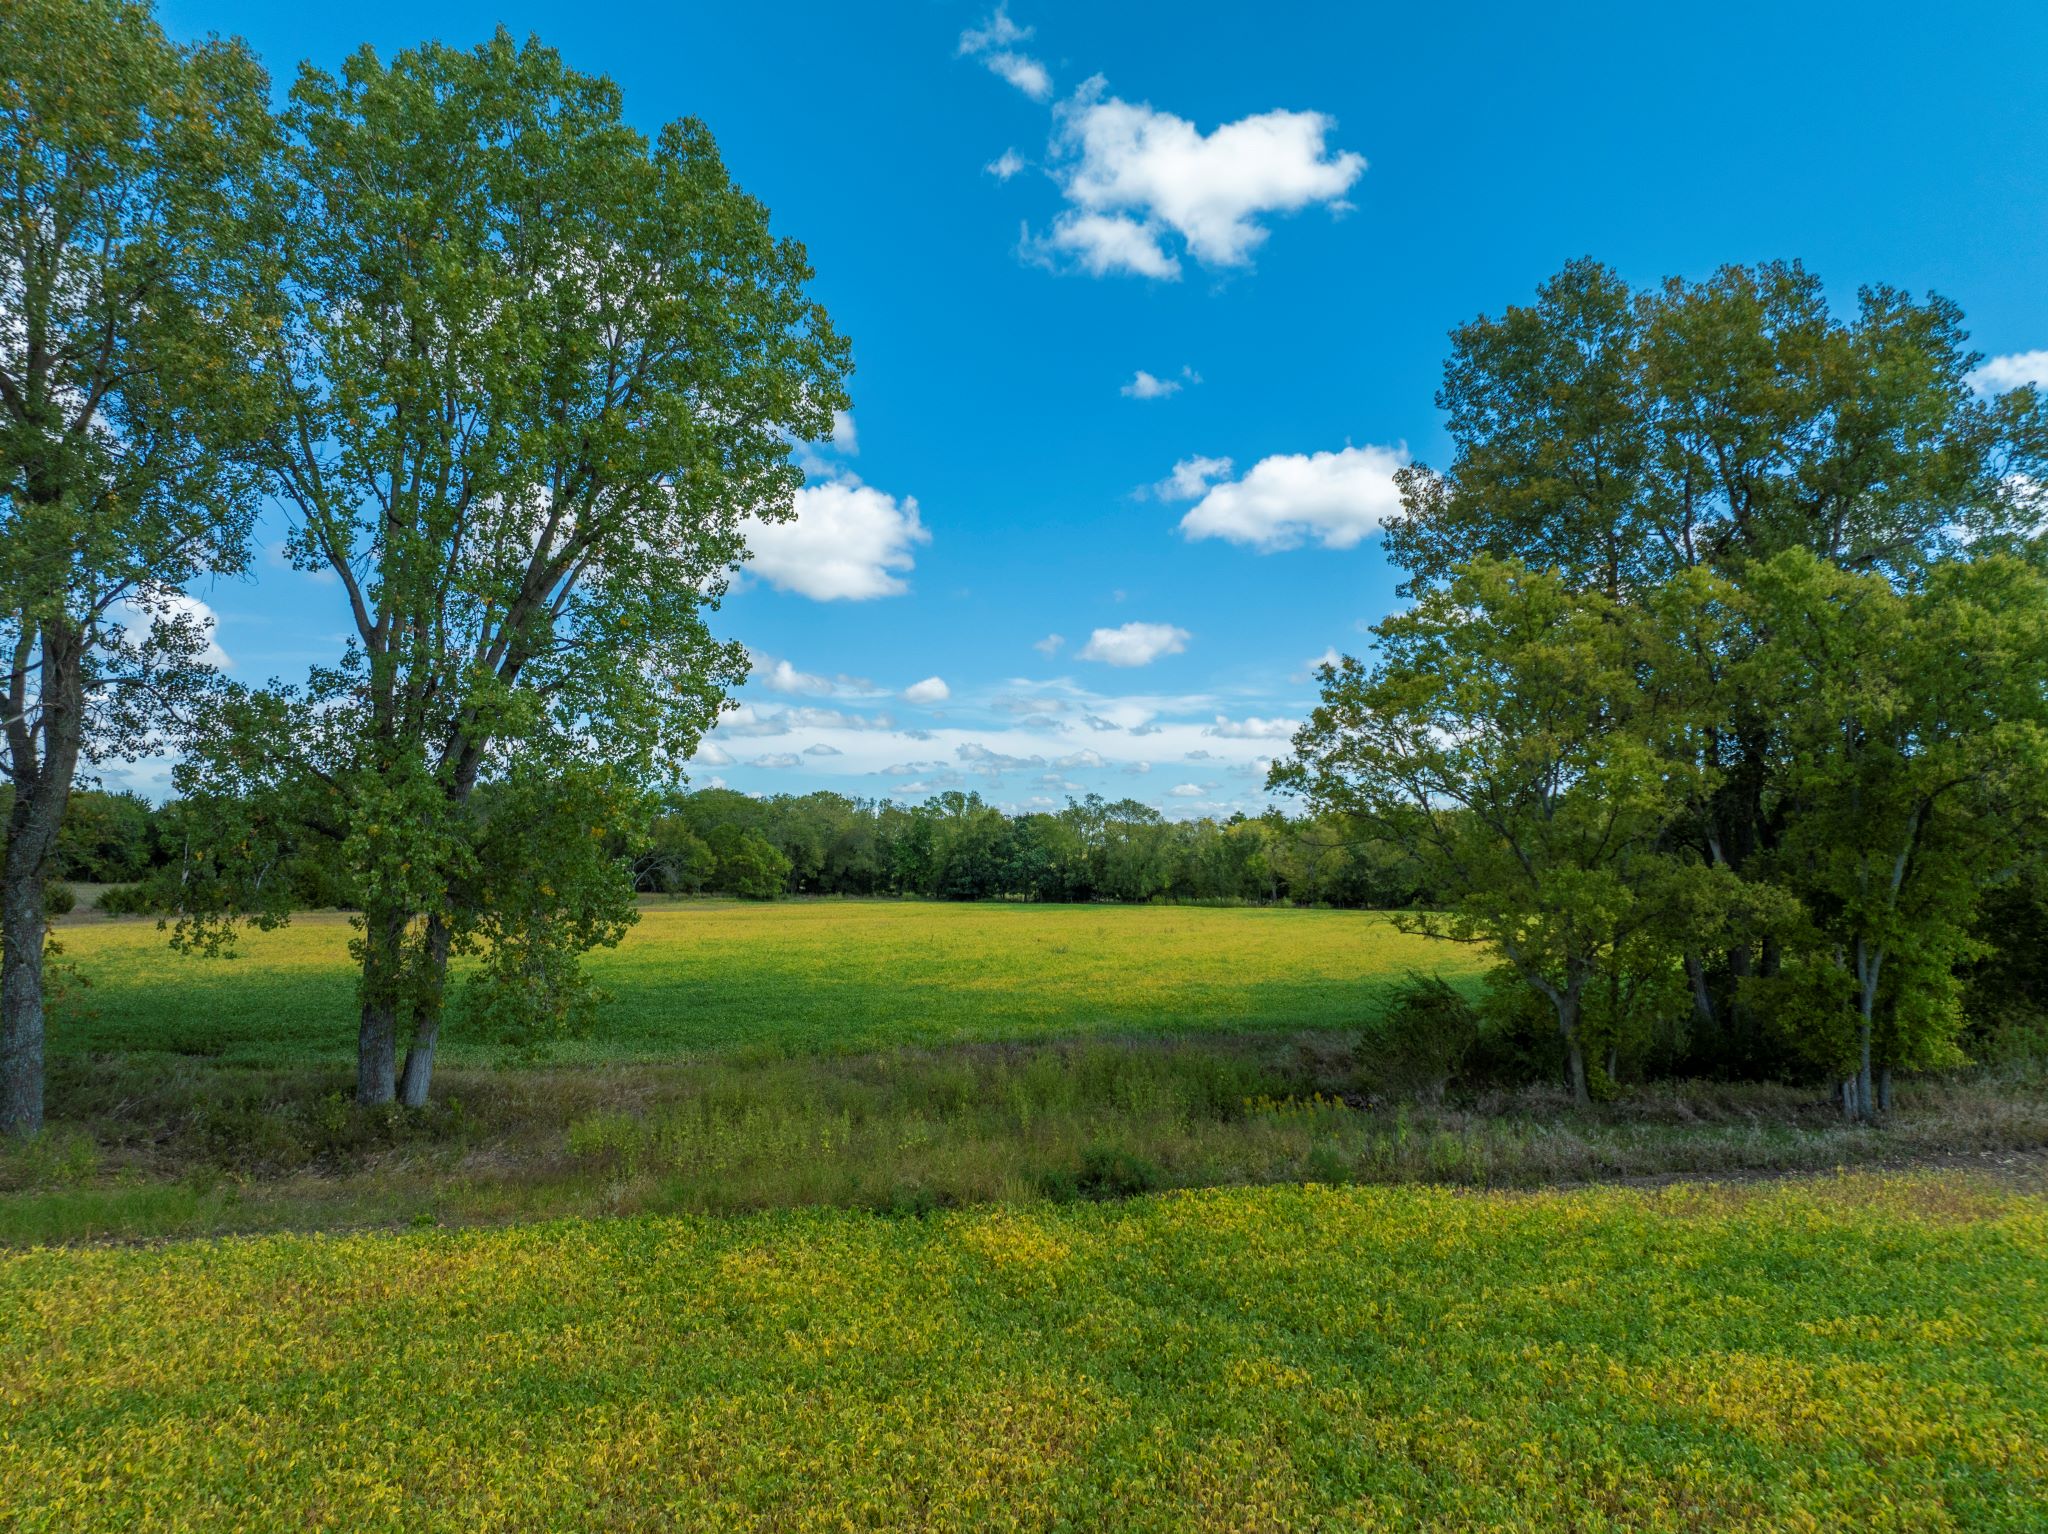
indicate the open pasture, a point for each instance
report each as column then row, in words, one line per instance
column 1854, row 1352
column 789, row 977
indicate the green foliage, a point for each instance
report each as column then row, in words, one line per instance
column 1831, row 1353
column 132, row 284
column 479, row 237
column 1422, row 1040
column 1724, row 671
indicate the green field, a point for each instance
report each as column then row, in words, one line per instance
column 698, row 976
column 1853, row 1353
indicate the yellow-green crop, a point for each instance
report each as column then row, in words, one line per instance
column 793, row 976
column 1856, row 1353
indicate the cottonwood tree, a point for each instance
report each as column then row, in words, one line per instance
column 1530, row 743
column 126, row 296
column 1915, row 725
column 535, row 374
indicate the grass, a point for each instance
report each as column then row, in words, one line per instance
column 792, row 977
column 1856, row 1352
column 180, row 1148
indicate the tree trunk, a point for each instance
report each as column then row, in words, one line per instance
column 21, row 987
column 377, row 1036
column 1567, row 1003
column 1884, row 1090
column 42, row 790
column 419, row 1055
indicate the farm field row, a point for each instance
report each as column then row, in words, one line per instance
column 1851, row 1352
column 790, row 977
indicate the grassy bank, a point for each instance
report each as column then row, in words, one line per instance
column 154, row 1148
column 1854, row 1352
column 792, row 977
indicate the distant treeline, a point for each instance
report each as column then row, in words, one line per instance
column 953, row 847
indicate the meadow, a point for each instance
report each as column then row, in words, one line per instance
column 897, row 1057
column 700, row 976
column 1849, row 1352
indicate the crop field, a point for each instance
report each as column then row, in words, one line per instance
column 790, row 977
column 1852, row 1352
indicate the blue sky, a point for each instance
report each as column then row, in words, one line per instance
column 1276, row 213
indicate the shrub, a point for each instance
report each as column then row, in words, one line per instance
column 125, row 900
column 1106, row 1172
column 1423, row 1040
column 59, row 898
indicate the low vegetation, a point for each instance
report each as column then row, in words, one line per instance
column 701, row 976
column 1858, row 1352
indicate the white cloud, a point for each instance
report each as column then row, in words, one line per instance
column 1191, row 477
column 1144, row 385
column 1337, row 499
column 1102, row 244
column 1133, row 176
column 985, row 760
column 781, row 676
column 1187, row 791
column 778, row 760
column 1135, row 644
column 992, row 42
column 847, row 541
column 172, row 610
column 931, row 690
column 844, row 438
column 1078, row 759
column 712, row 754
column 2011, row 372
column 1252, row 728
column 1330, row 657
column 1050, row 645
column 821, row 749
column 1006, row 165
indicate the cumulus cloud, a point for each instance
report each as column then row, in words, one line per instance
column 1135, row 644
column 848, row 541
column 821, row 749
column 931, row 690
column 994, row 43
column 1050, row 645
column 712, row 754
column 844, row 438
column 781, row 676
column 1144, row 385
column 1078, row 759
column 1144, row 185
column 982, row 758
column 1252, row 728
column 2011, row 372
column 1337, row 499
column 1187, row 790
column 1191, row 478
column 1006, row 165
column 779, row 759
column 176, row 614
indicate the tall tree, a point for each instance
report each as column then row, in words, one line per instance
column 1530, row 742
column 1619, row 437
column 537, row 375
column 1915, row 726
column 127, row 288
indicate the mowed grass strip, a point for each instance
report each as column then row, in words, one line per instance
column 1856, row 1352
column 789, row 977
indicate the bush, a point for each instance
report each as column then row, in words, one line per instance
column 1423, row 1040
column 125, row 900
column 1106, row 1172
